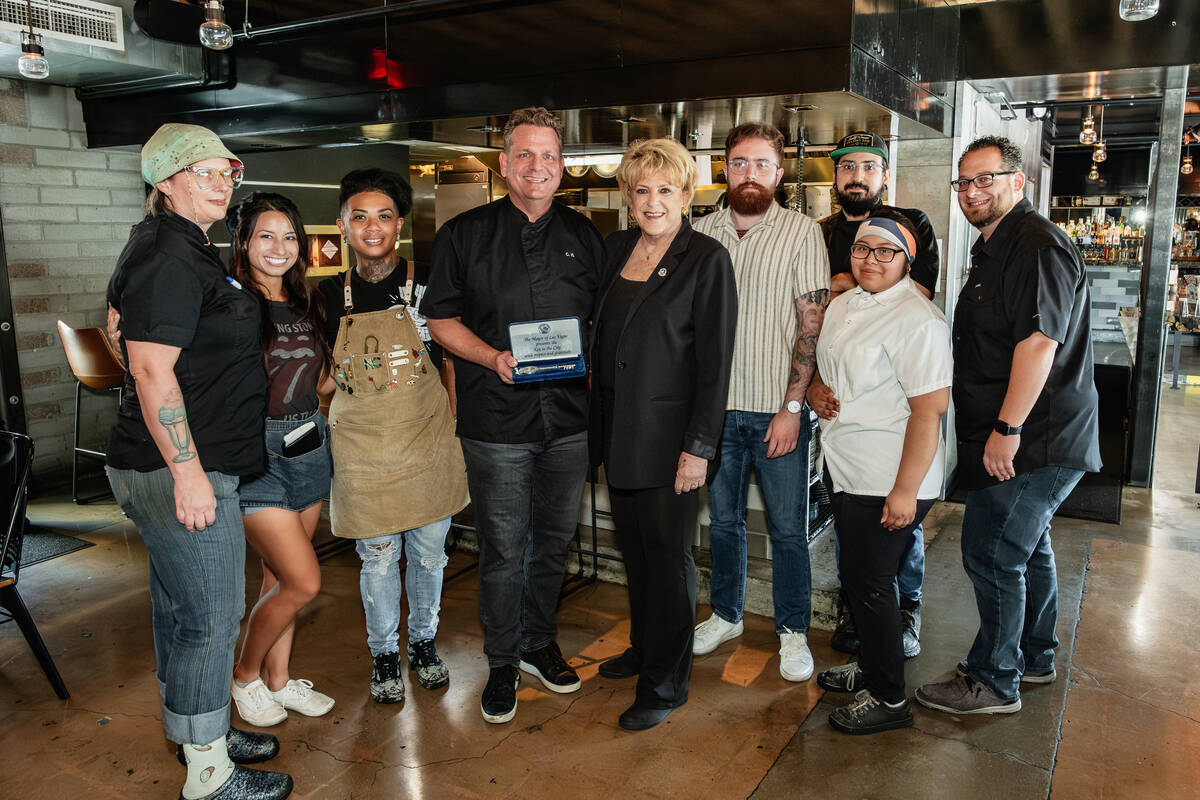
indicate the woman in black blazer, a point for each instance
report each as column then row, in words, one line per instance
column 661, row 347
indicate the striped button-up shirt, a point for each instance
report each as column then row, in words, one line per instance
column 780, row 259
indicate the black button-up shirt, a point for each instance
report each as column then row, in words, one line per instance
column 493, row 267
column 1027, row 277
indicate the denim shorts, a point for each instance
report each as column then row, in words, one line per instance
column 293, row 483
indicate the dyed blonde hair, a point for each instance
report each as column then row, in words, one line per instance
column 648, row 156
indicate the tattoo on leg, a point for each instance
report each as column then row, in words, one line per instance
column 173, row 416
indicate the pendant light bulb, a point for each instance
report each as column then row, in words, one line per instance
column 1094, row 173
column 1087, row 133
column 1101, row 152
column 1137, row 10
column 1186, row 167
column 215, row 33
column 32, row 62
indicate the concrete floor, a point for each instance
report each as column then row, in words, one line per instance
column 1123, row 719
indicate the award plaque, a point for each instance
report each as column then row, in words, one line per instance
column 547, row 349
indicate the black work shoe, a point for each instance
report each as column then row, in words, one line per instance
column 428, row 666
column 845, row 635
column 499, row 702
column 245, row 747
column 386, row 684
column 548, row 666
column 910, row 618
column 846, row 678
column 869, row 715
column 1029, row 676
column 639, row 717
column 626, row 665
column 252, row 784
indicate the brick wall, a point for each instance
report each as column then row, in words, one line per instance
column 66, row 214
column 1112, row 287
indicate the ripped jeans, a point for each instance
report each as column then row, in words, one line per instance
column 382, row 585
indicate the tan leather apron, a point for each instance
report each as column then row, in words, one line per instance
column 397, row 464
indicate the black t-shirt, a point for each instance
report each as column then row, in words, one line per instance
column 493, row 267
column 1027, row 277
column 170, row 288
column 387, row 293
column 840, row 233
column 293, row 364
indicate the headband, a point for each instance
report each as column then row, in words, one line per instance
column 890, row 230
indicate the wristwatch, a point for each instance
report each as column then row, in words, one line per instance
column 793, row 406
column 1004, row 429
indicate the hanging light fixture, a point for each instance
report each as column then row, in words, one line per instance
column 1101, row 151
column 1087, row 133
column 1094, row 173
column 1137, row 10
column 32, row 62
column 1186, row 167
column 215, row 33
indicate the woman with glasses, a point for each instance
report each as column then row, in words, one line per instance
column 281, row 508
column 189, row 428
column 884, row 351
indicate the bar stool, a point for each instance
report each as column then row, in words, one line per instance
column 94, row 366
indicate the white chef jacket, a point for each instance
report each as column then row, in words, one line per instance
column 875, row 351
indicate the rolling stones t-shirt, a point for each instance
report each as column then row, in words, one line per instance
column 293, row 365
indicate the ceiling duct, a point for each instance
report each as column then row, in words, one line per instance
column 80, row 21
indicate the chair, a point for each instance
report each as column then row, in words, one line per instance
column 94, row 365
column 16, row 461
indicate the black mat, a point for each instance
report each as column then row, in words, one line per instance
column 42, row 545
column 1096, row 497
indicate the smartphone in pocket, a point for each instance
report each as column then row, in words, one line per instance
column 302, row 440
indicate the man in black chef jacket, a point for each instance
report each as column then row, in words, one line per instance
column 522, row 258
column 1027, row 428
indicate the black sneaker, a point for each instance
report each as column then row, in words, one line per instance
column 423, row 660
column 245, row 747
column 548, row 666
column 386, row 685
column 846, row 678
column 910, row 618
column 869, row 715
column 845, row 635
column 499, row 702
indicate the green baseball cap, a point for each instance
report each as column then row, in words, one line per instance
column 861, row 142
column 175, row 146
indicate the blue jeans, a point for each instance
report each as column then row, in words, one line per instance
column 197, row 597
column 783, row 481
column 526, row 499
column 381, row 586
column 1006, row 553
column 912, row 569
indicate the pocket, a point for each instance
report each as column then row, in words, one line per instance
column 382, row 451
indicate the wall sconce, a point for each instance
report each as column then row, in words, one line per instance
column 215, row 33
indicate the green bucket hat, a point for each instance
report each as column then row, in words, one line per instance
column 175, row 146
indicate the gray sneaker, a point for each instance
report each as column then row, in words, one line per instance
column 424, row 660
column 910, row 617
column 1030, row 676
column 965, row 695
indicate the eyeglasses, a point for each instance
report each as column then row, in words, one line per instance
column 883, row 255
column 869, row 167
column 740, row 166
column 982, row 180
column 210, row 177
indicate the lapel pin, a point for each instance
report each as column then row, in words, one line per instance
column 662, row 272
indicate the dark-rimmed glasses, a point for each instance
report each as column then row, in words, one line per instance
column 883, row 255
column 982, row 180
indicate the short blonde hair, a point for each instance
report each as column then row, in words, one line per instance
column 648, row 156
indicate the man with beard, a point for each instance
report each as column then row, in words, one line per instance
column 860, row 166
column 782, row 273
column 1026, row 420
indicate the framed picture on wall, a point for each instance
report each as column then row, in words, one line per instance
column 328, row 253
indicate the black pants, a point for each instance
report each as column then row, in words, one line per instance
column 655, row 529
column 871, row 556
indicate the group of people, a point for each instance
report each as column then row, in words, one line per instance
column 703, row 344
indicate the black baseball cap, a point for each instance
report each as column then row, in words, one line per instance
column 861, row 142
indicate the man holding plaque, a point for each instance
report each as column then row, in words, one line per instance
column 782, row 271
column 512, row 286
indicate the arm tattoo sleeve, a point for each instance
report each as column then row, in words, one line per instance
column 810, row 313
column 173, row 416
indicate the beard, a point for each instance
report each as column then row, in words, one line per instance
column 750, row 199
column 857, row 206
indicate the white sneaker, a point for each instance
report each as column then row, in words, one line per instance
column 256, row 705
column 795, row 660
column 714, row 632
column 299, row 695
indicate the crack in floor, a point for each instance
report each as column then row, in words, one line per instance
column 1140, row 701
column 1001, row 753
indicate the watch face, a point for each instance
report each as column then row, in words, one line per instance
column 794, row 406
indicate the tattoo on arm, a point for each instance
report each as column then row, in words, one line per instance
column 173, row 416
column 810, row 314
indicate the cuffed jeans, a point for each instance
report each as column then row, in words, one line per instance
column 1006, row 553
column 526, row 498
column 783, row 481
column 382, row 586
column 197, row 597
